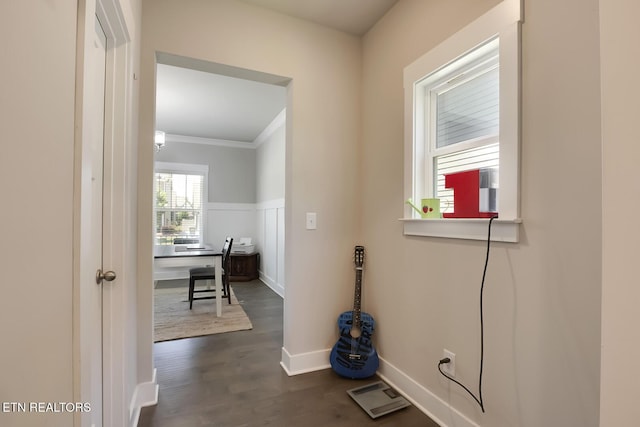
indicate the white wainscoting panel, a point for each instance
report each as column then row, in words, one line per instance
column 280, row 249
column 270, row 244
column 263, row 222
column 229, row 219
column 270, row 241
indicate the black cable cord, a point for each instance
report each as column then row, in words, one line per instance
column 447, row 360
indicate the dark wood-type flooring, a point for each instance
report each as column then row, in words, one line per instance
column 235, row 380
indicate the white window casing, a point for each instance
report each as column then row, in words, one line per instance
column 195, row 179
column 464, row 50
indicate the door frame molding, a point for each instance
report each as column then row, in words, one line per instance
column 117, row 217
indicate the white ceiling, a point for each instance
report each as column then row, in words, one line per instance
column 194, row 99
column 207, row 105
column 351, row 16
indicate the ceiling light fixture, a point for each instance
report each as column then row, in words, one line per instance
column 159, row 140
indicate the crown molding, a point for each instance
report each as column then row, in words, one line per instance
column 275, row 124
column 280, row 120
column 208, row 141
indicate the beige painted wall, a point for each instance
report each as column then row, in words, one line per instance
column 37, row 107
column 542, row 295
column 621, row 202
column 543, row 303
column 322, row 134
column 37, row 110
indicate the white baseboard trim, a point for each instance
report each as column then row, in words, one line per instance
column 145, row 394
column 437, row 409
column 423, row 399
column 275, row 287
column 305, row 362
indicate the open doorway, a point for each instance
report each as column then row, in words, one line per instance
column 220, row 166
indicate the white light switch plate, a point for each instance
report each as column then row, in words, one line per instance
column 311, row 221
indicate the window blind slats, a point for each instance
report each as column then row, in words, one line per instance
column 462, row 105
column 468, row 110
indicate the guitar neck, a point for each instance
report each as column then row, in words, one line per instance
column 357, row 310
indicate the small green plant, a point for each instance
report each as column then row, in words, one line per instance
column 161, row 198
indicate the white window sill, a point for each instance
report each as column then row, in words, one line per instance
column 502, row 230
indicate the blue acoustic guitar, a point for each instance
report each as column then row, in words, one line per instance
column 353, row 356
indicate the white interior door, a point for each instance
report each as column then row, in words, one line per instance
column 91, row 228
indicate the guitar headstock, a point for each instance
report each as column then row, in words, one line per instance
column 358, row 256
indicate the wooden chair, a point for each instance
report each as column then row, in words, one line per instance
column 209, row 273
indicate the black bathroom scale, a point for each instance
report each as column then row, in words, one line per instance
column 378, row 399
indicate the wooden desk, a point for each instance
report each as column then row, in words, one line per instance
column 172, row 256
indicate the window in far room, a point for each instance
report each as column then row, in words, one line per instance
column 179, row 203
column 462, row 101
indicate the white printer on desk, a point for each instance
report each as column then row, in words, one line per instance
column 242, row 246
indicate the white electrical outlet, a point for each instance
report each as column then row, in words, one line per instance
column 449, row 368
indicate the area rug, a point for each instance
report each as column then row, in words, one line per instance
column 173, row 319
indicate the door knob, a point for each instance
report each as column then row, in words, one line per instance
column 109, row 276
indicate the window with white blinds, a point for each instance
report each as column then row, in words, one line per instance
column 179, row 204
column 462, row 123
column 462, row 106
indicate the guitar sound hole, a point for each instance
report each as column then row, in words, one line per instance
column 355, row 332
